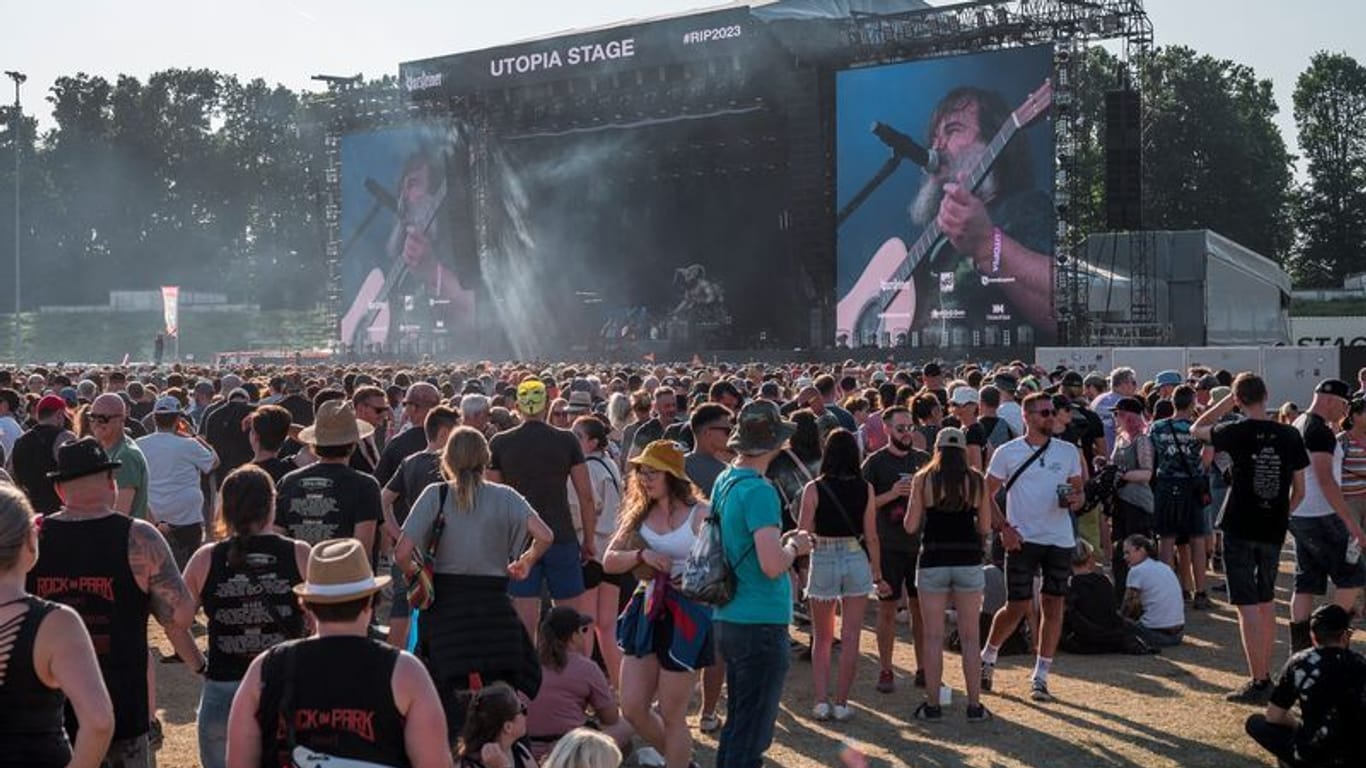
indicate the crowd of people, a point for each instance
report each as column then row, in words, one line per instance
column 496, row 565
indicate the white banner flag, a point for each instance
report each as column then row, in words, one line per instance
column 170, row 296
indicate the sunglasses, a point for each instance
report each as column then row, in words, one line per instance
column 902, row 429
column 1043, row 412
column 104, row 418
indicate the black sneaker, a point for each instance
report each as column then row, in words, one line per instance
column 1201, row 602
column 979, row 714
column 929, row 712
column 1255, row 692
column 920, row 678
column 987, row 670
column 155, row 735
column 1039, row 692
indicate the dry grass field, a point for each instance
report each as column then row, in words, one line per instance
column 1144, row 712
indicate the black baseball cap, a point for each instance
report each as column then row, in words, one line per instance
column 1334, row 387
column 1130, row 404
column 1072, row 379
column 563, row 621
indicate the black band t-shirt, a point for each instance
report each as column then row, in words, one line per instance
column 1265, row 456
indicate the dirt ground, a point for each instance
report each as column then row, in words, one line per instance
column 1144, row 712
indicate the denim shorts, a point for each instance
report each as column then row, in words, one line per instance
column 1321, row 554
column 559, row 569
column 950, row 578
column 839, row 568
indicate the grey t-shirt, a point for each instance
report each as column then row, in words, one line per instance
column 479, row 541
column 703, row 469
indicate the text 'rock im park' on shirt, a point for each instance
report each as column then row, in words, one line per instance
column 883, row 470
column 535, row 459
column 1032, row 502
column 1265, row 457
column 1318, row 438
column 325, row 501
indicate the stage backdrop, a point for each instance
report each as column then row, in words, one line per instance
column 997, row 293
column 408, row 267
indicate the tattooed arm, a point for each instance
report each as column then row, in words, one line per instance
column 155, row 571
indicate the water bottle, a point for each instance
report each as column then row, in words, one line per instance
column 945, row 695
column 1353, row 550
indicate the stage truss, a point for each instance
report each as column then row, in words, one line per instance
column 1072, row 27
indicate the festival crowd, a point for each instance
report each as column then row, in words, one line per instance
column 507, row 565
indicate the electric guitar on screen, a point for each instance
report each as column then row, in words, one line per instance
column 367, row 321
column 882, row 300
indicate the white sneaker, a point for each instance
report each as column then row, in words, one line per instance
column 843, row 713
column 649, row 757
column 903, row 616
column 821, row 711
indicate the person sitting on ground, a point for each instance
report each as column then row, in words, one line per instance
column 1091, row 620
column 1152, row 595
column 570, row 684
column 494, row 728
column 1327, row 681
column 584, row 748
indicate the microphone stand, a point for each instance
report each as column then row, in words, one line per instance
column 885, row 172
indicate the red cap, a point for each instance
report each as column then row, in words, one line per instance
column 51, row 403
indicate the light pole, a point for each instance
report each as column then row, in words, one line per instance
column 16, row 121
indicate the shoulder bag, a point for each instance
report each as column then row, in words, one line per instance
column 421, row 570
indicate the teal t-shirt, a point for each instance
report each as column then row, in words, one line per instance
column 747, row 503
column 133, row 474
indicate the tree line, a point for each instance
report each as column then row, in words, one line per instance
column 202, row 179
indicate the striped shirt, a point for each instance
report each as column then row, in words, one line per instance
column 1353, row 465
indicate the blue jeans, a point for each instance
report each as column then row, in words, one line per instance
column 214, row 703
column 757, row 657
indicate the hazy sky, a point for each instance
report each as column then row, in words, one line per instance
column 286, row 41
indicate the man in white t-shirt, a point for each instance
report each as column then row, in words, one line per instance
column 10, row 429
column 1327, row 536
column 1009, row 410
column 1152, row 595
column 176, row 459
column 1044, row 479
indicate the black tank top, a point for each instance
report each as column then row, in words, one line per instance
column 85, row 565
column 343, row 701
column 852, row 493
column 949, row 537
column 251, row 609
column 31, row 714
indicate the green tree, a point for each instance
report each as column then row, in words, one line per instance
column 1330, row 107
column 1212, row 157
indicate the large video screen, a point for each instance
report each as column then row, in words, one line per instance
column 409, row 271
column 944, row 181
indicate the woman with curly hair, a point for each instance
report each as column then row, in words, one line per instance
column 664, row 637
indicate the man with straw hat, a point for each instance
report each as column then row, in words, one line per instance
column 293, row 707
column 329, row 499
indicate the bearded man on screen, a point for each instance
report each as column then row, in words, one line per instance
column 999, row 238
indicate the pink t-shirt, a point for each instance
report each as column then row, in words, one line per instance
column 565, row 697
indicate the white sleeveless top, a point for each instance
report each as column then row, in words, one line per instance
column 675, row 545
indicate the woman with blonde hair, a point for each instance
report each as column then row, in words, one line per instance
column 46, row 661
column 470, row 633
column 584, row 748
column 658, row 524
